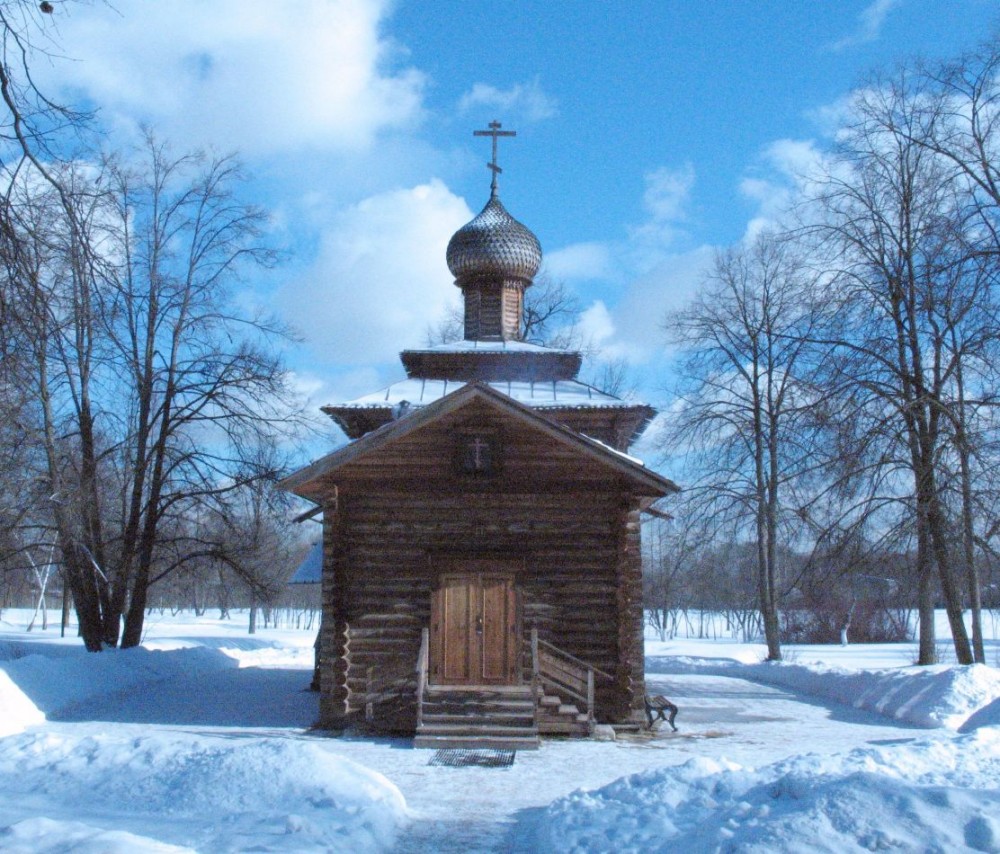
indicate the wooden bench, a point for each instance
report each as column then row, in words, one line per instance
column 659, row 708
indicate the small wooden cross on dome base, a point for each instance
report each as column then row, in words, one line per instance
column 494, row 131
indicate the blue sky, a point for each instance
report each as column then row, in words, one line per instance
column 649, row 133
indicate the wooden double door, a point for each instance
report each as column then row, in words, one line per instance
column 474, row 627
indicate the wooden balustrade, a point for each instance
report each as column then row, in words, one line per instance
column 423, row 663
column 565, row 673
column 383, row 685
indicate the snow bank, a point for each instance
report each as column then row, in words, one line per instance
column 46, row 836
column 205, row 792
column 115, row 788
column 54, row 684
column 986, row 716
column 938, row 696
column 16, row 711
column 898, row 796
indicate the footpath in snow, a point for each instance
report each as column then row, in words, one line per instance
column 199, row 741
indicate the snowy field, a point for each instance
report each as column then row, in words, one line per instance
column 199, row 741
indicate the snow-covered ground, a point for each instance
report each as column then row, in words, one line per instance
column 199, row 741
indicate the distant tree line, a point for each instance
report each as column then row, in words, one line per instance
column 143, row 406
column 837, row 408
column 860, row 592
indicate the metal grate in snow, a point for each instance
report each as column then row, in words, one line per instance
column 454, row 758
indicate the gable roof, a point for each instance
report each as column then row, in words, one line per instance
column 625, row 466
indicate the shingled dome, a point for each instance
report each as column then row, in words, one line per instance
column 494, row 244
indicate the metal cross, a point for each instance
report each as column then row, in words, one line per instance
column 494, row 131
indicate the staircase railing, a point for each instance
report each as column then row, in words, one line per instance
column 536, row 677
column 423, row 662
column 566, row 673
column 381, row 685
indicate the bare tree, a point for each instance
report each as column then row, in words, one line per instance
column 34, row 129
column 960, row 123
column 889, row 219
column 31, row 123
column 157, row 392
column 741, row 397
column 957, row 117
column 673, row 552
column 51, row 315
column 259, row 547
column 208, row 391
column 551, row 314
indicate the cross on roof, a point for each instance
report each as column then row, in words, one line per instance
column 494, row 131
column 479, row 448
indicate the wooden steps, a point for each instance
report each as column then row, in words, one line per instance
column 556, row 717
column 559, row 701
column 500, row 718
column 474, row 742
column 492, row 718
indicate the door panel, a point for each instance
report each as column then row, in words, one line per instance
column 460, row 635
column 454, row 641
column 474, row 630
column 497, row 636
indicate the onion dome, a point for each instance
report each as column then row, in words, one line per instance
column 494, row 245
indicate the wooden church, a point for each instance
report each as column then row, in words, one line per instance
column 481, row 572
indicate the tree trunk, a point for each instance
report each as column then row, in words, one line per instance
column 134, row 619
column 86, row 599
column 765, row 545
column 968, row 534
column 64, row 620
column 845, row 627
column 772, row 623
column 925, row 598
column 952, row 598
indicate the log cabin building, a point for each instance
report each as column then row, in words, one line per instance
column 481, row 578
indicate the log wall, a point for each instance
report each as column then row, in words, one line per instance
column 566, row 527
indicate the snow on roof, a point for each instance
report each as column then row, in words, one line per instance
column 490, row 347
column 306, row 481
column 621, row 454
column 538, row 395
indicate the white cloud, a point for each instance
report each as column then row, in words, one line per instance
column 256, row 75
column 580, row 261
column 664, row 287
column 870, row 21
column 652, row 272
column 665, row 200
column 336, row 386
column 787, row 167
column 526, row 100
column 596, row 326
column 831, row 118
column 793, row 157
column 668, row 192
column 306, row 386
column 380, row 278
